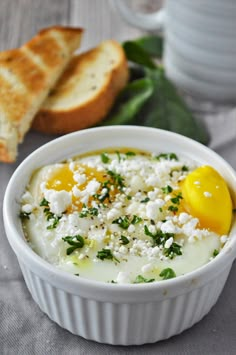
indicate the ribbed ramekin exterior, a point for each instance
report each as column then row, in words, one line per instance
column 124, row 323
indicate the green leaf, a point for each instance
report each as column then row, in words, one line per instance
column 130, row 102
column 135, row 53
column 106, row 254
column 105, row 158
column 140, row 279
column 76, row 241
column 167, row 110
column 153, row 45
column 167, row 273
column 124, row 240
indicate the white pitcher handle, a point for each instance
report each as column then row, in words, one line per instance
column 148, row 22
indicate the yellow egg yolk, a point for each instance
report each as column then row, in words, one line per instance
column 206, row 196
column 62, row 178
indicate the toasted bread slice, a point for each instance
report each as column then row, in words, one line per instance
column 86, row 91
column 27, row 75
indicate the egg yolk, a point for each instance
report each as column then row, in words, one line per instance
column 62, row 178
column 206, row 196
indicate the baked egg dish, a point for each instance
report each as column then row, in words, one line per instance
column 127, row 216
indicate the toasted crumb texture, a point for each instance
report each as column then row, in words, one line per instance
column 86, row 91
column 27, row 75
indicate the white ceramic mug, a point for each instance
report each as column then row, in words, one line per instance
column 200, row 44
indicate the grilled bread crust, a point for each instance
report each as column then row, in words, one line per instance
column 86, row 91
column 27, row 75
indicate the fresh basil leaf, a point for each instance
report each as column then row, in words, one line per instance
column 135, row 53
column 166, row 109
column 153, row 45
column 130, row 102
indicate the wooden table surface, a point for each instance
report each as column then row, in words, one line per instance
column 19, row 21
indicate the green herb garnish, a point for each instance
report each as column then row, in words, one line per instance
column 167, row 189
column 123, row 222
column 173, row 208
column 130, row 154
column 49, row 215
column 159, row 238
column 184, row 168
column 145, row 200
column 106, row 254
column 124, row 240
column 167, row 273
column 117, row 179
column 88, row 211
column 76, row 241
column 177, row 198
column 105, row 158
column 167, row 156
column 140, row 279
column 215, row 253
column 44, row 202
column 24, row 215
column 136, row 220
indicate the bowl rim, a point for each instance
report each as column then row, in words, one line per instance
column 66, row 280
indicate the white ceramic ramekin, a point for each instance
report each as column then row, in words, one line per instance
column 112, row 313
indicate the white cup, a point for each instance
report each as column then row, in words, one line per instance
column 200, row 44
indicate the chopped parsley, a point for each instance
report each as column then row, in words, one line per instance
column 136, row 220
column 173, row 208
column 106, row 254
column 75, row 241
column 215, row 253
column 167, row 273
column 88, row 211
column 167, row 156
column 124, row 222
column 105, row 158
column 140, row 279
column 184, row 168
column 167, row 189
column 159, row 238
column 173, row 250
column 130, row 154
column 145, row 200
column 44, row 203
column 117, row 179
column 118, row 156
column 53, row 218
column 177, row 198
column 124, row 240
column 24, row 215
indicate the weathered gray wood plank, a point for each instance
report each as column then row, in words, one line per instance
column 100, row 22
column 21, row 19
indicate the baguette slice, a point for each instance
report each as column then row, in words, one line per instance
column 85, row 92
column 27, row 75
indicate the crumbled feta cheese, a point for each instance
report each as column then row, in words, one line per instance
column 123, row 277
column 153, row 209
column 113, row 213
column 59, row 200
column 27, row 208
column 92, row 187
column 169, row 242
column 80, row 178
column 223, row 239
column 169, row 227
column 146, row 268
column 131, row 228
column 184, row 217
